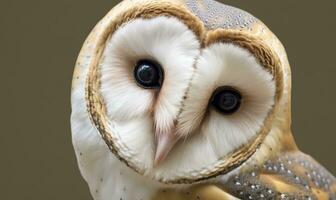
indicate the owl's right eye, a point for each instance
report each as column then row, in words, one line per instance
column 148, row 74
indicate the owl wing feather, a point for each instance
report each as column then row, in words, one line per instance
column 291, row 175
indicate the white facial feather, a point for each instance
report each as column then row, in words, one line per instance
column 163, row 39
column 133, row 109
column 210, row 134
column 107, row 177
column 228, row 65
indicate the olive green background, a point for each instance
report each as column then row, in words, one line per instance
column 39, row 43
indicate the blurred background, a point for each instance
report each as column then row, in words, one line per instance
column 40, row 41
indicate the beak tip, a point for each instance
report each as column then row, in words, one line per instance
column 160, row 155
column 157, row 161
column 164, row 145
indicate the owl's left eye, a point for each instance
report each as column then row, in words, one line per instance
column 226, row 100
column 148, row 74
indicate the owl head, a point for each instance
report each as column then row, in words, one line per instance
column 182, row 90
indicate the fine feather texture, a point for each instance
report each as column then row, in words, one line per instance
column 174, row 46
column 207, row 137
column 134, row 112
column 106, row 176
column 138, row 114
column 210, row 134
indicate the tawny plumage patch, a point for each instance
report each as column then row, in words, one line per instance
column 282, row 177
column 174, row 140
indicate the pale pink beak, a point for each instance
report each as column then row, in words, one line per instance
column 164, row 143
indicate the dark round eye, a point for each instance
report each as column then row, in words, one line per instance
column 226, row 100
column 148, row 74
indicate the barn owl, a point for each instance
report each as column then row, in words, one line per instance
column 184, row 100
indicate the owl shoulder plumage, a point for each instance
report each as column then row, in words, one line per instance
column 289, row 175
